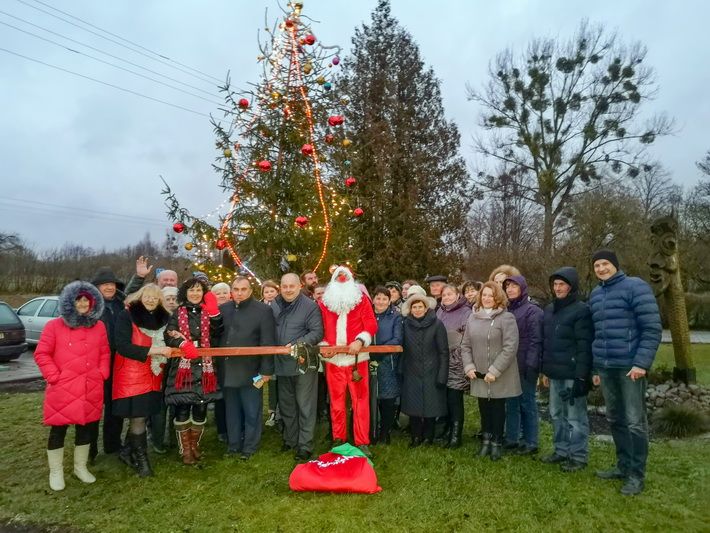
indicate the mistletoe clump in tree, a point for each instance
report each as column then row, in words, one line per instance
column 284, row 160
column 564, row 115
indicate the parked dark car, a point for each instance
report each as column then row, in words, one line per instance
column 12, row 334
column 36, row 313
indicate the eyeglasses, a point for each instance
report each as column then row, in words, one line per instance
column 153, row 298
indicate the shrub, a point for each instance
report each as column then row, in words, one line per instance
column 680, row 421
column 660, row 374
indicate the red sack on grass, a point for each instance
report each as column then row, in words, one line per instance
column 343, row 469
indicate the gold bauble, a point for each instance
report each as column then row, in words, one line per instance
column 320, row 80
column 188, row 246
column 291, row 258
column 307, row 68
column 346, row 143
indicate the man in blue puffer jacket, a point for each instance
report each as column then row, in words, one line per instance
column 627, row 332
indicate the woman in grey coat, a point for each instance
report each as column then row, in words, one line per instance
column 489, row 352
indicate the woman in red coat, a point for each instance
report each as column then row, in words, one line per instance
column 138, row 370
column 74, row 357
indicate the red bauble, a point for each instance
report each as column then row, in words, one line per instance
column 310, row 39
column 307, row 149
column 336, row 120
column 264, row 165
column 243, row 103
column 350, row 181
column 358, row 212
column 221, row 244
column 329, row 138
column 290, row 23
column 178, row 227
column 301, row 221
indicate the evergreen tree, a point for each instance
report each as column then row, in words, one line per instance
column 282, row 159
column 410, row 177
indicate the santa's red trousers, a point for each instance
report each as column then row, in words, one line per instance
column 340, row 380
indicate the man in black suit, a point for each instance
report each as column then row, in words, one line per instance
column 247, row 322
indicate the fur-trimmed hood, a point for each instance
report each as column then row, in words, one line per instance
column 143, row 318
column 67, row 308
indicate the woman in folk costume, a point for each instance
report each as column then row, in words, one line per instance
column 74, row 357
column 192, row 381
column 138, row 370
column 348, row 320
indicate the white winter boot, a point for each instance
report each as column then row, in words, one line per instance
column 81, row 456
column 55, row 458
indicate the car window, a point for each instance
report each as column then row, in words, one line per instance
column 49, row 309
column 30, row 308
column 7, row 316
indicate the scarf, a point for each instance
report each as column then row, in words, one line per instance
column 183, row 380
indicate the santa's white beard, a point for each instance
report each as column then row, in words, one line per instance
column 341, row 297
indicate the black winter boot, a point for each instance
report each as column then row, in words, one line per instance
column 127, row 454
column 140, row 450
column 496, row 449
column 455, row 437
column 485, row 445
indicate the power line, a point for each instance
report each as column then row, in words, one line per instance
column 116, row 42
column 106, row 83
column 82, row 209
column 111, row 64
column 56, row 213
column 126, row 40
column 106, row 53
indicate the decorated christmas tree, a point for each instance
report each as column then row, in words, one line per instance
column 284, row 159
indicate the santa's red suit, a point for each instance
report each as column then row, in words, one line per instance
column 343, row 324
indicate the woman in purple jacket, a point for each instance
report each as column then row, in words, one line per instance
column 521, row 411
column 454, row 312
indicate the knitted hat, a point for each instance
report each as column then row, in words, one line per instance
column 609, row 255
column 394, row 284
column 169, row 291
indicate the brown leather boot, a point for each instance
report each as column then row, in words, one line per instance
column 196, row 432
column 185, row 444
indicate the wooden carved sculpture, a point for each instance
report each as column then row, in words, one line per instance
column 665, row 280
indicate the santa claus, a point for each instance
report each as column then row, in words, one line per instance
column 348, row 320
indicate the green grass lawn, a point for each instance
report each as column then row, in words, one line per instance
column 427, row 489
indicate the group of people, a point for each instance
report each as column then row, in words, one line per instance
column 138, row 357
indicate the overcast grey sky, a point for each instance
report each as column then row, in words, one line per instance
column 67, row 141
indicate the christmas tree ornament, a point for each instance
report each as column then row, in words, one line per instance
column 336, row 120
column 346, row 143
column 346, row 162
column 243, row 103
column 307, row 149
column 327, row 86
column 188, row 246
column 307, row 68
column 290, row 23
column 178, row 227
column 276, row 96
column 320, row 80
column 329, row 138
column 344, row 101
column 310, row 39
column 291, row 258
column 301, row 221
column 227, row 153
column 264, row 165
column 221, row 244
column 335, row 60
column 358, row 212
column 350, row 181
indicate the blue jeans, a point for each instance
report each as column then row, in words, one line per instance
column 243, row 410
column 626, row 412
column 521, row 412
column 570, row 425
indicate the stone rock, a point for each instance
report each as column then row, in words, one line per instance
column 604, row 438
column 661, row 389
